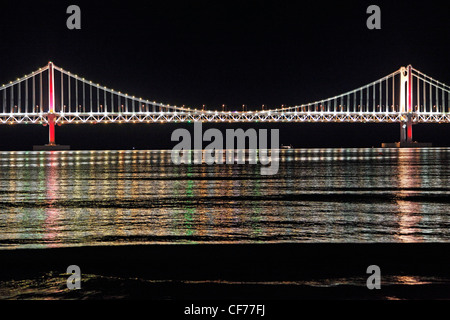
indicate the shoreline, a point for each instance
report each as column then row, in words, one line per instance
column 238, row 271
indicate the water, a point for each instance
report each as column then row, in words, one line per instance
column 80, row 198
column 96, row 199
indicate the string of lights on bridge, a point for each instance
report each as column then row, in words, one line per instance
column 79, row 100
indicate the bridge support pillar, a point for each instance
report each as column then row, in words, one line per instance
column 406, row 140
column 51, row 130
column 406, row 130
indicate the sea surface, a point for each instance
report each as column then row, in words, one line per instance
column 78, row 198
column 113, row 198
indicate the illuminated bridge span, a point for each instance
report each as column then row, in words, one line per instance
column 53, row 96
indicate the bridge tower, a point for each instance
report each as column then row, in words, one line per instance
column 406, row 104
column 406, row 108
column 51, row 104
column 51, row 115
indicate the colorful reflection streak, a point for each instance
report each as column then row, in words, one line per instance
column 409, row 180
column 78, row 198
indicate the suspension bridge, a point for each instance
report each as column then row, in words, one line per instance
column 52, row 96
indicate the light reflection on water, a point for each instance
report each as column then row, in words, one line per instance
column 52, row 199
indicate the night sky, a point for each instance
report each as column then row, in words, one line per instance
column 212, row 53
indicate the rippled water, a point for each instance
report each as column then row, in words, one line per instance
column 55, row 199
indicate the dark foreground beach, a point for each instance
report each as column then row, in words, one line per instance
column 225, row 271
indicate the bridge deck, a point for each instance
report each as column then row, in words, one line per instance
column 180, row 117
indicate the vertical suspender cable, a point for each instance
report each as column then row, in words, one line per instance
column 4, row 100
column 374, row 104
column 61, row 107
column 11, row 99
column 112, row 102
column 90, row 105
column 98, row 99
column 393, row 93
column 34, row 94
column 431, row 96
column 437, row 99
column 19, row 96
column 424, row 96
column 76, row 95
column 104, row 99
column 443, row 101
column 418, row 95
column 380, row 97
column 367, row 99
column 84, row 97
column 387, row 94
column 69, row 80
column 360, row 100
column 26, row 95
column 348, row 103
column 41, row 95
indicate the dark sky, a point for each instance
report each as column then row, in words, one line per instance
column 225, row 52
